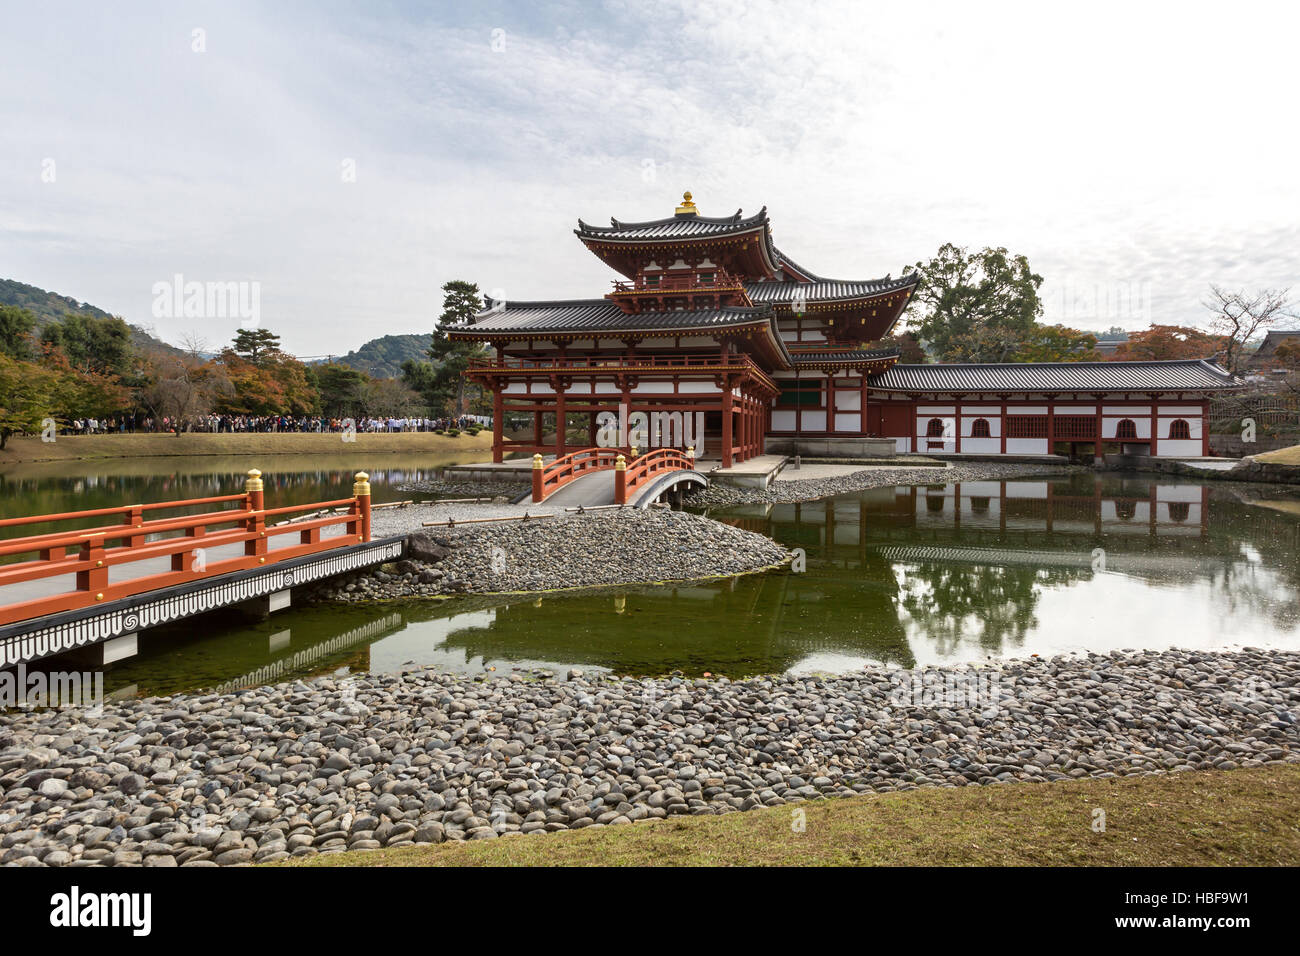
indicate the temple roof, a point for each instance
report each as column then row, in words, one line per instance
column 601, row 315
column 1182, row 375
column 775, row 292
column 679, row 226
column 823, row 357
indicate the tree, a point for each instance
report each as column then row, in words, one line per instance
column 976, row 307
column 16, row 332
column 342, row 390
column 1057, row 343
column 909, row 347
column 256, row 344
column 91, row 344
column 182, row 386
column 1165, row 342
column 391, row 398
column 1240, row 316
column 460, row 304
column 29, row 394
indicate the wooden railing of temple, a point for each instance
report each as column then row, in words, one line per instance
column 89, row 553
column 622, row 363
column 549, row 478
column 628, row 476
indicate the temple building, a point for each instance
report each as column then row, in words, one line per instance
column 709, row 322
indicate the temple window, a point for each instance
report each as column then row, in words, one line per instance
column 1126, row 429
column 980, row 428
column 934, row 428
column 1179, row 428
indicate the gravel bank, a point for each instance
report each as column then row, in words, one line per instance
column 567, row 551
column 467, row 489
column 787, row 489
column 384, row 760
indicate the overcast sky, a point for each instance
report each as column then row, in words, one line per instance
column 350, row 158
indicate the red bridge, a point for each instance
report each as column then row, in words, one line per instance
column 636, row 482
column 91, row 585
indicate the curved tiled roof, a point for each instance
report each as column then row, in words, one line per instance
column 775, row 292
column 601, row 315
column 841, row 355
column 1183, row 375
column 682, row 226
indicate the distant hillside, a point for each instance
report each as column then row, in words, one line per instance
column 383, row 357
column 50, row 307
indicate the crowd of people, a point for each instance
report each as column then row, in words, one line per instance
column 269, row 423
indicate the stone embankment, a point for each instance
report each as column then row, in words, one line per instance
column 789, row 488
column 563, row 551
column 390, row 760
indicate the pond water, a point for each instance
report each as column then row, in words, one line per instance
column 908, row 575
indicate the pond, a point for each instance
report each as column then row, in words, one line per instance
column 907, row 575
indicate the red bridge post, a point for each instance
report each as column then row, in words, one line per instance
column 256, row 524
column 620, row 480
column 361, row 488
column 539, row 492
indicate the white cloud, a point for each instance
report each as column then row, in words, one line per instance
column 1114, row 145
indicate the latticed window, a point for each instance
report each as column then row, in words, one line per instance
column 934, row 429
column 1180, row 429
column 1066, row 427
column 1026, row 426
column 980, row 428
column 1126, row 429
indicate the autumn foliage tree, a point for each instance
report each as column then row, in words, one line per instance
column 1166, row 342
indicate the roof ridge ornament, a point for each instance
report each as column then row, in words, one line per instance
column 687, row 208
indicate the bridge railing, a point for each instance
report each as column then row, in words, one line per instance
column 89, row 553
column 548, row 479
column 628, row 476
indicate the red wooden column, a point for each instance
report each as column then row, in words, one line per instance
column 1051, row 426
column 863, row 423
column 957, row 421
column 1205, row 431
column 1155, row 424
column 498, row 422
column 1003, row 426
column 726, row 422
column 559, row 421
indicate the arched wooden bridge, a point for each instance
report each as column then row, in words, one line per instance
column 117, row 571
column 606, row 476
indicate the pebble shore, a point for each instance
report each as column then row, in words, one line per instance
column 567, row 551
column 375, row 761
column 788, row 488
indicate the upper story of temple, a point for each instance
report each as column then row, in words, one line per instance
column 705, row 283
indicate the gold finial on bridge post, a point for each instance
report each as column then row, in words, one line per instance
column 537, row 461
column 361, row 491
column 620, row 463
column 254, row 481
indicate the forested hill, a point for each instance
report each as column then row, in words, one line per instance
column 383, row 357
column 50, row 307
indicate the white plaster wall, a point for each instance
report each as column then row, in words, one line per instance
column 1108, row 426
column 1178, row 449
column 984, row 446
column 1026, row 446
column 849, row 422
column 848, row 401
column 968, row 425
column 783, row 421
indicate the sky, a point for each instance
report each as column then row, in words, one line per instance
column 342, row 161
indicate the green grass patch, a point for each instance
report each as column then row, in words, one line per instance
column 1211, row 818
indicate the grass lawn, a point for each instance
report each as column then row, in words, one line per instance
column 1218, row 818
column 1283, row 456
column 92, row 447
